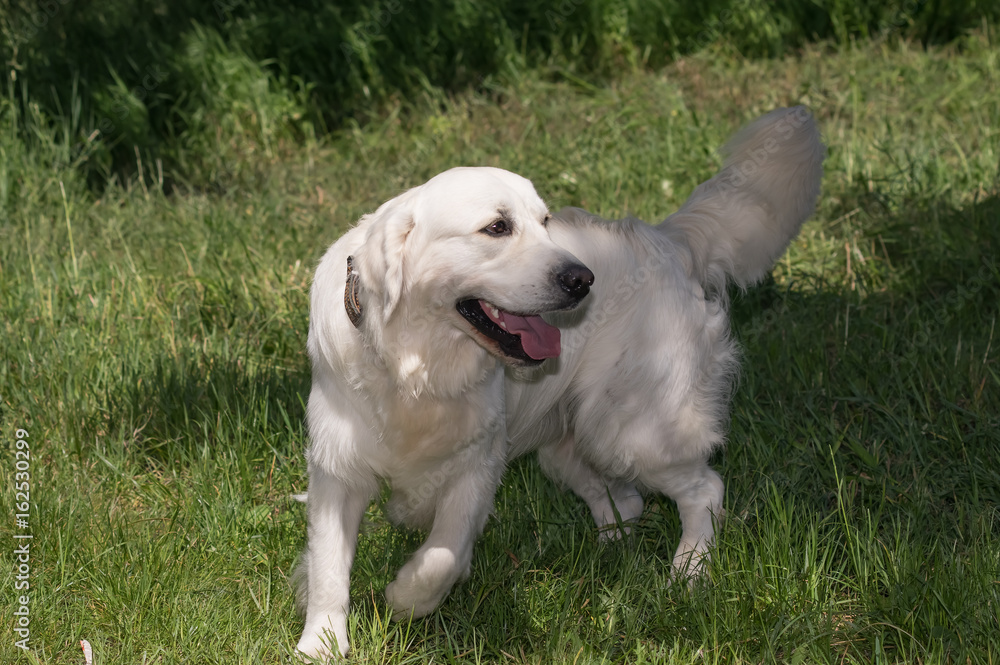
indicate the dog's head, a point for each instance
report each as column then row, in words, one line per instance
column 468, row 255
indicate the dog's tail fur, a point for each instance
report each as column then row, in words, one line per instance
column 738, row 223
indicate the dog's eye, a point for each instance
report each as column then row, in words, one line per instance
column 498, row 228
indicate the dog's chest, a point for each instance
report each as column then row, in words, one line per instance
column 424, row 430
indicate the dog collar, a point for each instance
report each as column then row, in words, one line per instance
column 351, row 301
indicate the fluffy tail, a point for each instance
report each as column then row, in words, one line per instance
column 738, row 223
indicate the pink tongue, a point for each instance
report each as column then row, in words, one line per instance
column 538, row 339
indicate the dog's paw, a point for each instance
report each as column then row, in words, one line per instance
column 422, row 584
column 613, row 533
column 319, row 644
column 409, row 601
column 688, row 567
column 312, row 649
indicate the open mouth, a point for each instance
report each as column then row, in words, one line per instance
column 524, row 337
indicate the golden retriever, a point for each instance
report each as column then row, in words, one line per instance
column 462, row 324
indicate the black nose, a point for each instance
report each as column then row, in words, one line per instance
column 576, row 279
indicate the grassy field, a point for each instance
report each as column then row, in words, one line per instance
column 153, row 355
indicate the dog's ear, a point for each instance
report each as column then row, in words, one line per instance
column 381, row 260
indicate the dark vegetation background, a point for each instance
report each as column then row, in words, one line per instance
column 179, row 79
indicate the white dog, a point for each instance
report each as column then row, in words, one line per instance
column 451, row 330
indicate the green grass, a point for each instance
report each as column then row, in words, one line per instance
column 153, row 349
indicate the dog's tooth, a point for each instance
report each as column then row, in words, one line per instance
column 503, row 325
column 495, row 312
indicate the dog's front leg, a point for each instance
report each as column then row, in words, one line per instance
column 445, row 557
column 698, row 491
column 335, row 511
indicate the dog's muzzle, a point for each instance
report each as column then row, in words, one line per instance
column 525, row 336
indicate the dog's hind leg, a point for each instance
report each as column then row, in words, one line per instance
column 698, row 491
column 445, row 557
column 335, row 511
column 611, row 501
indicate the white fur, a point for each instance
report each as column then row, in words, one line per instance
column 638, row 397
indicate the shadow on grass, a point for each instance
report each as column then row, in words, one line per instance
column 897, row 391
column 182, row 408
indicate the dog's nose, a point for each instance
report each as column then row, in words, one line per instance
column 576, row 280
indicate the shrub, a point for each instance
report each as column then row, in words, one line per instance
column 165, row 77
